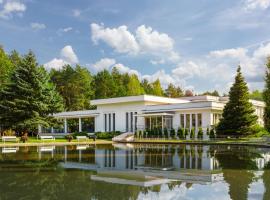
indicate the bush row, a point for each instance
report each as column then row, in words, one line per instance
column 181, row 133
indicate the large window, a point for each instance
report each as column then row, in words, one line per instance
column 136, row 121
column 182, row 120
column 193, row 120
column 167, row 122
column 199, row 120
column 187, row 120
column 113, row 121
column 110, row 124
column 105, row 122
column 127, row 127
column 131, row 121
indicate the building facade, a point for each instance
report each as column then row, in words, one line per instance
column 132, row 113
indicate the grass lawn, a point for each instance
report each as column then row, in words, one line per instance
column 34, row 140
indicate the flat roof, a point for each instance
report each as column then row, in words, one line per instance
column 77, row 114
column 139, row 98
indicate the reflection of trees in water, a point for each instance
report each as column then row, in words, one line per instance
column 266, row 181
column 237, row 163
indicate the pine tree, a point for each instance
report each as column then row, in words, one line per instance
column 134, row 86
column 6, row 68
column 238, row 116
column 266, row 96
column 30, row 98
column 173, row 91
column 157, row 89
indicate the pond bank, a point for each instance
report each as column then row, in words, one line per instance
column 220, row 142
column 53, row 143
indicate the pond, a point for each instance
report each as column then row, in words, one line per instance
column 126, row 171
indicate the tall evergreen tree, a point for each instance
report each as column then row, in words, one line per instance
column 120, row 82
column 104, row 85
column 266, row 96
column 157, row 89
column 6, row 68
column 173, row 91
column 134, row 86
column 147, row 87
column 238, row 116
column 30, row 98
column 75, row 86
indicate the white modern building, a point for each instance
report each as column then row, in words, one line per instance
column 128, row 114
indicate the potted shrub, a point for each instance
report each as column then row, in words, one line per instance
column 172, row 133
column 200, row 133
column 212, row 133
column 24, row 137
column 207, row 131
column 192, row 133
column 69, row 138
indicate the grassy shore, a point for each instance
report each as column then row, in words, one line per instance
column 33, row 141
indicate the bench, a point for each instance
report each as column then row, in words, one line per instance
column 82, row 138
column 47, row 137
column 9, row 138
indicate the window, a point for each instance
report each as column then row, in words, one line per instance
column 127, row 122
column 182, row 120
column 147, row 123
column 193, row 120
column 131, row 121
column 187, row 120
column 110, row 124
column 113, row 121
column 105, row 122
column 199, row 115
column 136, row 121
column 167, row 122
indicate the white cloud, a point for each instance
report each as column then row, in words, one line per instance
column 68, row 55
column 254, row 4
column 64, row 30
column 144, row 41
column 10, row 8
column 76, row 13
column 118, row 38
column 104, row 63
column 55, row 64
column 37, row 26
column 233, row 53
column 124, row 69
column 157, row 62
column 187, row 70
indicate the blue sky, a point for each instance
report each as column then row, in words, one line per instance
column 195, row 44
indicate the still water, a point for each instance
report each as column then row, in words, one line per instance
column 135, row 172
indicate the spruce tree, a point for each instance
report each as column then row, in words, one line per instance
column 30, row 98
column 238, row 116
column 266, row 96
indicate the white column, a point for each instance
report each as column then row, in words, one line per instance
column 190, row 121
column 39, row 129
column 80, row 124
column 52, row 130
column 196, row 122
column 65, row 125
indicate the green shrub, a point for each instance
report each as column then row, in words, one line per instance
column 105, row 135
column 75, row 134
column 192, row 133
column 172, row 133
column 186, row 132
column 207, row 131
column 200, row 133
column 181, row 133
column 212, row 133
column 166, row 133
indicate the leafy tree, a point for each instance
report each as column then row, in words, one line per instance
column 238, row 116
column 200, row 133
column 189, row 93
column 75, row 86
column 157, row 89
column 256, row 95
column 104, row 85
column 266, row 96
column 173, row 91
column 30, row 98
column 214, row 93
column 134, row 87
column 121, row 81
column 147, row 87
column 6, row 68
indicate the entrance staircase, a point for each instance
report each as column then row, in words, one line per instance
column 124, row 137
